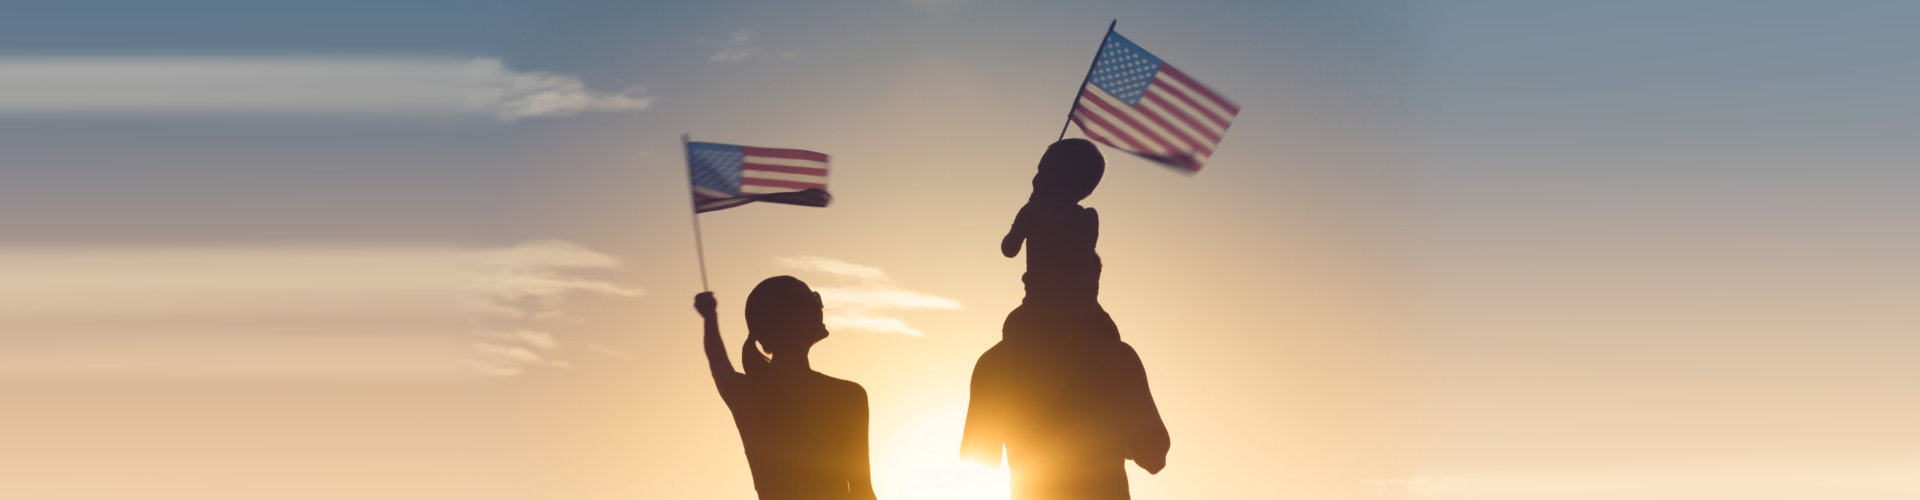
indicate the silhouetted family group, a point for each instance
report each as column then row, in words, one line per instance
column 1060, row 392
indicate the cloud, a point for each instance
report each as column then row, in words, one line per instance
column 526, row 284
column 325, row 311
column 510, row 353
column 736, row 47
column 833, row 267
column 528, row 337
column 599, row 348
column 531, row 279
column 511, row 95
column 301, row 85
column 865, row 303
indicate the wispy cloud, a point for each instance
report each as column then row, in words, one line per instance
column 380, row 311
column 868, row 297
column 531, row 279
column 510, row 353
column 736, row 47
column 298, row 85
column 603, row 349
column 527, row 284
column 510, row 95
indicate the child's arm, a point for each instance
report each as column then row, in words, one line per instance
column 1010, row 245
column 1093, row 222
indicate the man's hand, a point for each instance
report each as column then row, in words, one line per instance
column 705, row 304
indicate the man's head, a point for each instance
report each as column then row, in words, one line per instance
column 1069, row 171
column 785, row 315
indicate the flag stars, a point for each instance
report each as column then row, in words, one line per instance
column 1123, row 70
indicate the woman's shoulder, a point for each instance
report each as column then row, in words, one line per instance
column 839, row 388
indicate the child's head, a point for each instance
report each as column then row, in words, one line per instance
column 1069, row 171
column 785, row 315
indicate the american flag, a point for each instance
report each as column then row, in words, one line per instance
column 726, row 176
column 1142, row 105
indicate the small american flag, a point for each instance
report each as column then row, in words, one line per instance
column 726, row 176
column 1140, row 104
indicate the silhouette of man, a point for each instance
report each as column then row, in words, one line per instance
column 1069, row 413
column 805, row 433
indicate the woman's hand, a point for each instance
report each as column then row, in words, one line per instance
column 705, row 304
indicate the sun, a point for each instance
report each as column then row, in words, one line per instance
column 922, row 462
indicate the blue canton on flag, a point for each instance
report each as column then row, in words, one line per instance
column 1142, row 105
column 716, row 167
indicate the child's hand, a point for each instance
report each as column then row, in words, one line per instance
column 705, row 304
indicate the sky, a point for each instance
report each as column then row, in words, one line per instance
column 1471, row 250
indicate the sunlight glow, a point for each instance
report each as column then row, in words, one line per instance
column 924, row 463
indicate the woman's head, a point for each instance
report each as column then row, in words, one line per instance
column 784, row 315
column 1069, row 171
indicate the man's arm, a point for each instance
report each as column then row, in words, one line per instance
column 860, row 478
column 984, row 434
column 1147, row 439
column 724, row 377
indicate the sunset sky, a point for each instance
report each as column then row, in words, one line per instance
column 1448, row 250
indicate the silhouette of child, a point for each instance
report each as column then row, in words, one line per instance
column 1066, row 399
column 805, row 433
column 1063, row 271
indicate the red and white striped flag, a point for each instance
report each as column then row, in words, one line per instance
column 1137, row 103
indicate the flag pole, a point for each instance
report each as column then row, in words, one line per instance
column 1083, row 80
column 698, row 249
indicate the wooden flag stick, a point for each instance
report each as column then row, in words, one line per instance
column 698, row 248
column 1083, row 80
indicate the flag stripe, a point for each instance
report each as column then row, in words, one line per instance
column 1153, row 104
column 795, row 154
column 1214, row 115
column 1227, row 108
column 1156, row 116
column 791, row 162
column 1131, row 119
column 1115, row 129
column 1209, row 130
column 1114, row 122
column 755, row 181
column 720, row 204
column 790, row 169
column 1093, row 131
column 1146, row 122
column 816, row 179
column 1096, row 130
column 1179, row 131
column 1094, row 116
column 1213, row 121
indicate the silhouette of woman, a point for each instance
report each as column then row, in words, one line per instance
column 805, row 433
